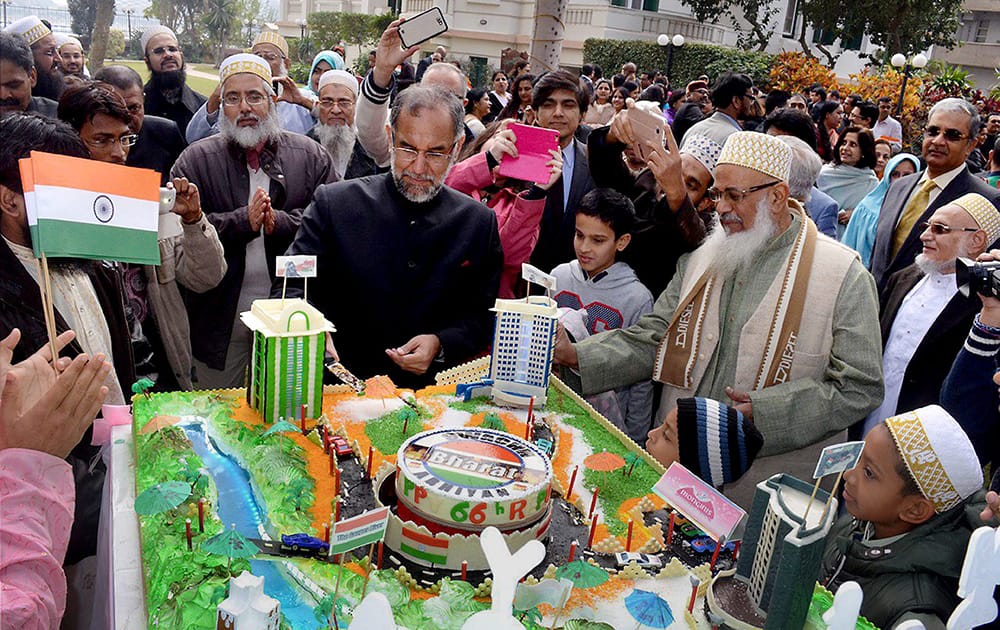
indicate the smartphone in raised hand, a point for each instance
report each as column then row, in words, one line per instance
column 421, row 27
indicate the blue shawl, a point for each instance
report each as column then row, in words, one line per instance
column 860, row 233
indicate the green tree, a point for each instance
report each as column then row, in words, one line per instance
column 105, row 13
column 83, row 15
column 219, row 20
column 116, row 43
column 894, row 26
column 752, row 19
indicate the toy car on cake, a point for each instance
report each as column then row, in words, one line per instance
column 340, row 446
column 303, row 542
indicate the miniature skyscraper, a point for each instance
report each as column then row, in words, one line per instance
column 247, row 607
column 524, row 340
column 772, row 585
column 286, row 366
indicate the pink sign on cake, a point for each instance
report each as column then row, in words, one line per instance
column 699, row 502
column 533, row 146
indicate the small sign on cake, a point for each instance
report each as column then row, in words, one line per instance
column 838, row 458
column 363, row 529
column 699, row 502
column 295, row 267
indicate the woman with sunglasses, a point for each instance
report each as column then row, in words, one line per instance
column 850, row 177
column 860, row 232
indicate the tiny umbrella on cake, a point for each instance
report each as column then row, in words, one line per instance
column 649, row 609
column 162, row 497
column 231, row 544
column 582, row 574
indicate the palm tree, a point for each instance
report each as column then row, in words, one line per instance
column 220, row 15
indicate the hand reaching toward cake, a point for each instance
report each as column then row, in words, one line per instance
column 416, row 354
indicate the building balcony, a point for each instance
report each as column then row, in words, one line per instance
column 971, row 55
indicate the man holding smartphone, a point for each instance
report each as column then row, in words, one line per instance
column 294, row 107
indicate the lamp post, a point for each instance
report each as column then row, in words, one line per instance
column 899, row 60
column 5, row 3
column 673, row 42
column 303, row 44
column 128, row 17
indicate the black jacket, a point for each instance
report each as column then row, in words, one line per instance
column 360, row 165
column 44, row 106
column 159, row 145
column 180, row 112
column 389, row 269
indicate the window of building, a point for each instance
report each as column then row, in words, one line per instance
column 982, row 27
column 791, row 18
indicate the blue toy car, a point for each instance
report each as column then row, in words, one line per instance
column 303, row 542
column 704, row 544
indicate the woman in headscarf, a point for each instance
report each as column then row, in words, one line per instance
column 323, row 61
column 860, row 232
column 850, row 177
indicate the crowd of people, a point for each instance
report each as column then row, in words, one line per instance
column 768, row 266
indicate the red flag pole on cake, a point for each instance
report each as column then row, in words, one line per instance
column 201, row 514
column 572, row 482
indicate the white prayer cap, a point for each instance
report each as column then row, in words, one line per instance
column 759, row 152
column 30, row 29
column 938, row 454
column 153, row 31
column 703, row 149
column 274, row 38
column 986, row 215
column 339, row 77
column 241, row 63
column 62, row 40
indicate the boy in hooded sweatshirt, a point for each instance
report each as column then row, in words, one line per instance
column 607, row 292
column 912, row 503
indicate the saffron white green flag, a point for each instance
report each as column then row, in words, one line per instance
column 81, row 208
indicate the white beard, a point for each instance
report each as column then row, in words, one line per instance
column 731, row 252
column 339, row 141
column 267, row 129
column 931, row 268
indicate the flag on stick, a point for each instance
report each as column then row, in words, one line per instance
column 363, row 529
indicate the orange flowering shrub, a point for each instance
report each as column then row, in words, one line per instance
column 873, row 83
column 793, row 71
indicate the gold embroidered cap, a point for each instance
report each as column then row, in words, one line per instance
column 29, row 28
column 274, row 38
column 759, row 152
column 244, row 63
column 153, row 31
column 938, row 454
column 986, row 214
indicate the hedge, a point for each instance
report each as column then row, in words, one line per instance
column 689, row 60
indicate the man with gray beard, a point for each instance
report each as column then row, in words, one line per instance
column 408, row 268
column 766, row 315
column 255, row 180
column 924, row 318
column 338, row 94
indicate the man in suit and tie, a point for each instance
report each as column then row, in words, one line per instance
column 561, row 103
column 950, row 136
column 924, row 318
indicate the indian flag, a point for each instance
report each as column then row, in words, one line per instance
column 360, row 530
column 81, row 208
column 423, row 547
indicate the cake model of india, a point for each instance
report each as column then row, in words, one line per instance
column 497, row 498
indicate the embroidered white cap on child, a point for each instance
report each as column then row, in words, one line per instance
column 244, row 63
column 703, row 149
column 153, row 31
column 759, row 152
column 986, row 215
column 339, row 77
column 29, row 28
column 938, row 454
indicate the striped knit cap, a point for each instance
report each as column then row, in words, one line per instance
column 715, row 441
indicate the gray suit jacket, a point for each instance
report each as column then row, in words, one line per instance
column 883, row 263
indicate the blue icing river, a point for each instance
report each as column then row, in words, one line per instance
column 237, row 504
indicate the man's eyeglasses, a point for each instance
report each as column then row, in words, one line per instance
column 951, row 135
column 407, row 155
column 252, row 99
column 342, row 103
column 104, row 142
column 735, row 195
column 159, row 50
column 939, row 229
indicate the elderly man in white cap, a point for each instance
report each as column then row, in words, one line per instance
column 338, row 95
column 766, row 315
column 667, row 191
column 924, row 318
column 255, row 180
column 167, row 93
column 294, row 107
column 71, row 58
column 49, row 82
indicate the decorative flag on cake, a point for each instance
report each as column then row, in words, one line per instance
column 838, row 458
column 424, row 547
column 363, row 529
column 81, row 208
column 697, row 500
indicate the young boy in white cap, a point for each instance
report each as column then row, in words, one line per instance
column 913, row 501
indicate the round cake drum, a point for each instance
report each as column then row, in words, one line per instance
column 471, row 478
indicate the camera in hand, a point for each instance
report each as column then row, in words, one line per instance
column 978, row 277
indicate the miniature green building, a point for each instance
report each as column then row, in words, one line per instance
column 286, row 366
